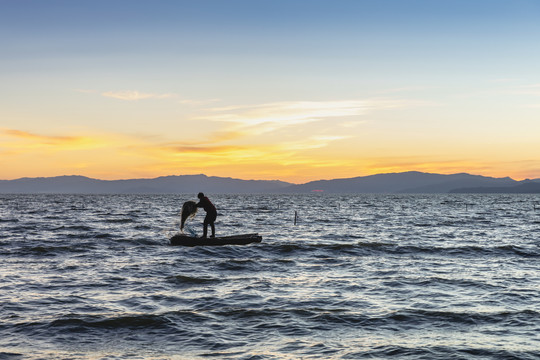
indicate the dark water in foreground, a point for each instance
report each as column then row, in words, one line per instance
column 362, row 276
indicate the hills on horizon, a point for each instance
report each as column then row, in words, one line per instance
column 396, row 183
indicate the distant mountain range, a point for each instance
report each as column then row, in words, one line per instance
column 161, row 185
column 395, row 183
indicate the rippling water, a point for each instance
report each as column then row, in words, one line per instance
column 359, row 276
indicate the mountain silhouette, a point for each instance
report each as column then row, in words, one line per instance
column 412, row 182
column 405, row 182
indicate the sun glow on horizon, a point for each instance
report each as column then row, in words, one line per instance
column 290, row 141
column 111, row 157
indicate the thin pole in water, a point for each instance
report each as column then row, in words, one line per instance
column 295, row 216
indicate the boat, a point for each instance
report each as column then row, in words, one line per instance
column 243, row 239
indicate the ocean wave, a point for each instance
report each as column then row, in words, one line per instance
column 382, row 248
column 7, row 220
column 122, row 322
column 119, row 221
column 82, row 228
column 237, row 264
column 73, row 323
column 11, row 356
column 439, row 352
column 316, row 319
column 50, row 250
column 138, row 241
column 183, row 280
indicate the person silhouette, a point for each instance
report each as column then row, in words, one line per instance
column 211, row 214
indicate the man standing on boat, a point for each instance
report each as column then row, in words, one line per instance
column 211, row 214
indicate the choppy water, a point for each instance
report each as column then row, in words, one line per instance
column 361, row 276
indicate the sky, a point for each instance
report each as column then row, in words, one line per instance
column 295, row 90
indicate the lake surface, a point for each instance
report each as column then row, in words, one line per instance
column 358, row 276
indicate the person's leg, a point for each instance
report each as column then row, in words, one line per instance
column 205, row 228
column 211, row 221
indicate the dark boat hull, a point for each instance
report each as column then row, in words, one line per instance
column 244, row 239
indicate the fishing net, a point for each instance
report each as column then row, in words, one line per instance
column 189, row 209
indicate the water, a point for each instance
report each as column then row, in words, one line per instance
column 358, row 276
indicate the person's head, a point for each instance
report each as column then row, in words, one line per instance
column 200, row 195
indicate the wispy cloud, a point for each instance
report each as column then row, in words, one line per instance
column 19, row 141
column 271, row 117
column 134, row 95
column 131, row 95
column 288, row 113
column 44, row 139
column 205, row 149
